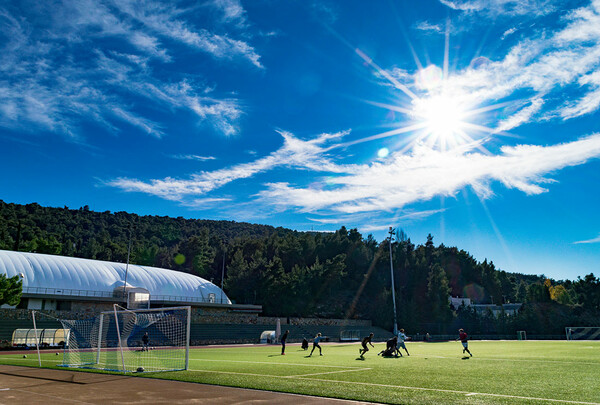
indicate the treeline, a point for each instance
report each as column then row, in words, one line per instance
column 289, row 273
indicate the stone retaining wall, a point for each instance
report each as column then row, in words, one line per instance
column 199, row 315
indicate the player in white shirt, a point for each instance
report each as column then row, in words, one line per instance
column 401, row 338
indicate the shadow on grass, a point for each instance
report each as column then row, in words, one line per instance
column 465, row 358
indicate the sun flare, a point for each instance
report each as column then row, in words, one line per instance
column 442, row 116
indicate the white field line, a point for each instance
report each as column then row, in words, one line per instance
column 276, row 364
column 329, row 372
column 505, row 359
column 466, row 393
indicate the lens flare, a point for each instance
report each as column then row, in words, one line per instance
column 383, row 152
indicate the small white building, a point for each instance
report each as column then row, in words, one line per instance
column 496, row 310
column 456, row 302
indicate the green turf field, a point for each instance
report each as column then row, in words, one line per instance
column 511, row 372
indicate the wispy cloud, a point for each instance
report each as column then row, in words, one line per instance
column 386, row 185
column 544, row 69
column 233, row 11
column 164, row 20
column 64, row 65
column 192, row 157
column 429, row 27
column 425, row 173
column 494, row 8
column 295, row 153
column 508, row 33
column 593, row 240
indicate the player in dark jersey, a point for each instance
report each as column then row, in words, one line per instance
column 145, row 341
column 366, row 339
column 283, row 339
column 391, row 348
column 462, row 335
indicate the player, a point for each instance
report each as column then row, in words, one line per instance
column 462, row 335
column 366, row 339
column 401, row 338
column 145, row 341
column 316, row 344
column 283, row 338
column 391, row 348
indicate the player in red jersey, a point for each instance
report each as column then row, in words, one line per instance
column 462, row 335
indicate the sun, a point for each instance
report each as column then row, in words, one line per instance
column 442, row 117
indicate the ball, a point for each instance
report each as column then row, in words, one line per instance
column 24, row 356
column 140, row 369
column 57, row 353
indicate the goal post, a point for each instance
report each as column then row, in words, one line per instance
column 123, row 340
column 582, row 332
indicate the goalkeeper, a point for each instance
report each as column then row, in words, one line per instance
column 145, row 341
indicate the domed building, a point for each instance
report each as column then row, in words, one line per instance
column 74, row 284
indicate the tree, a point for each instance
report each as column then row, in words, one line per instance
column 10, row 290
column 438, row 292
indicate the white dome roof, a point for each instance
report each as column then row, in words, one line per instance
column 58, row 273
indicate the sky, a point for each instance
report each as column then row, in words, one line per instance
column 475, row 121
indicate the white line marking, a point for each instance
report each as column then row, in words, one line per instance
column 4, row 389
column 509, row 359
column 563, row 401
column 273, row 363
column 328, row 372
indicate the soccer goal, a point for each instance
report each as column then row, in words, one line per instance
column 582, row 332
column 125, row 340
column 521, row 335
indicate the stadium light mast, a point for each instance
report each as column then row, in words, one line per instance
column 392, row 231
column 125, row 297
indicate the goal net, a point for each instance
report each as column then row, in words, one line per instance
column 582, row 332
column 130, row 340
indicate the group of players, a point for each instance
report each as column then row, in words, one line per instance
column 392, row 348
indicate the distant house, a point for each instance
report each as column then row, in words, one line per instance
column 509, row 309
column 496, row 310
column 456, row 302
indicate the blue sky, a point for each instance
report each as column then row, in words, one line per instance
column 474, row 120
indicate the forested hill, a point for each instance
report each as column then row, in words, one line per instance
column 290, row 273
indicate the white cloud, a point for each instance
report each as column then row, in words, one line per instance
column 193, row 157
column 495, row 8
column 425, row 173
column 233, row 11
column 429, row 27
column 593, row 240
column 163, row 20
column 508, row 32
column 521, row 116
column 294, row 153
column 60, row 66
column 561, row 66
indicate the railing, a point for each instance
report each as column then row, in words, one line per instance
column 212, row 299
column 175, row 298
column 66, row 291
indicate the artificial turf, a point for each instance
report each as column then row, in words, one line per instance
column 501, row 372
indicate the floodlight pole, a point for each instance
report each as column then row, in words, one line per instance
column 391, row 231
column 222, row 274
column 125, row 297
